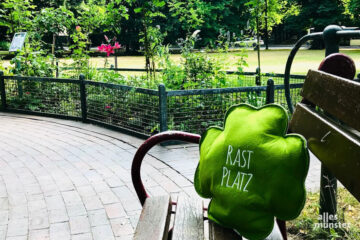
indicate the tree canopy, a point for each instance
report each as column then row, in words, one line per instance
column 173, row 19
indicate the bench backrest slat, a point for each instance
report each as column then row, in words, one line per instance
column 189, row 219
column 336, row 147
column 337, row 96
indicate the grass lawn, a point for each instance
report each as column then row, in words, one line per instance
column 272, row 61
column 275, row 60
column 303, row 227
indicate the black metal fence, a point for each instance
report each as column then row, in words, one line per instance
column 138, row 111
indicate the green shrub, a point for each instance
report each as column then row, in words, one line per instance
column 30, row 63
column 197, row 70
column 4, row 45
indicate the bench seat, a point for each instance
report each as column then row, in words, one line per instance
column 161, row 219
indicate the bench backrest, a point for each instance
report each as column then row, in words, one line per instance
column 329, row 118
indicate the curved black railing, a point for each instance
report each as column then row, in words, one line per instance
column 331, row 36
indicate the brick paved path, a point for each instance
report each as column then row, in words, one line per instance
column 68, row 180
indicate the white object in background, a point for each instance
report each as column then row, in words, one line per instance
column 17, row 41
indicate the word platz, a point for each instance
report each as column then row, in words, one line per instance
column 240, row 163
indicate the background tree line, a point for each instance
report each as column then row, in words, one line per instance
column 139, row 23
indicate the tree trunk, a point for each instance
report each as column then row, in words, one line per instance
column 266, row 26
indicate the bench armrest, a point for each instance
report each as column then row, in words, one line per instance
column 145, row 147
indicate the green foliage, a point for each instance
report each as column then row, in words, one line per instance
column 256, row 99
column 225, row 40
column 151, row 38
column 105, row 76
column 16, row 15
column 277, row 11
column 26, row 102
column 32, row 60
column 189, row 13
column 2, row 68
column 150, row 35
column 197, row 70
column 53, row 21
column 91, row 16
column 319, row 14
column 210, row 17
column 4, row 45
column 172, row 75
column 353, row 6
column 242, row 63
column 201, row 71
column 79, row 52
column 116, row 11
column 126, row 19
column 29, row 63
column 50, row 22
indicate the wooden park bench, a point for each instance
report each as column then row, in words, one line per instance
column 328, row 117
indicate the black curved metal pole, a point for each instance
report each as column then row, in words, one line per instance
column 348, row 33
column 145, row 147
column 339, row 34
column 290, row 59
column 331, row 39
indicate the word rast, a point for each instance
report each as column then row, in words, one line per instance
column 239, row 159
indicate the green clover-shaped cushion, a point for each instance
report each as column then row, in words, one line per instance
column 252, row 170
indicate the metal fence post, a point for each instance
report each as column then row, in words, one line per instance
column 19, row 81
column 83, row 98
column 331, row 39
column 328, row 183
column 162, row 108
column 270, row 91
column 3, row 91
column 258, row 77
column 20, row 88
column 57, row 69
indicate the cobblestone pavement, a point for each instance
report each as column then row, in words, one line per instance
column 64, row 180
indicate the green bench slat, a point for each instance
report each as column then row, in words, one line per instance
column 154, row 219
column 336, row 147
column 335, row 95
column 189, row 219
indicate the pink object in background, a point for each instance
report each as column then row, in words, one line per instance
column 108, row 48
